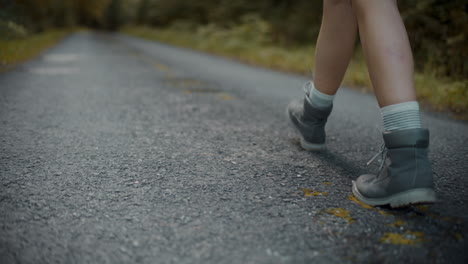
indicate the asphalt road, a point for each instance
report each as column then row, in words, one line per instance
column 119, row 150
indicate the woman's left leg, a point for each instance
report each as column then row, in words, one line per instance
column 406, row 176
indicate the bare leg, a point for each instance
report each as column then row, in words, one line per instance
column 335, row 45
column 387, row 50
column 408, row 180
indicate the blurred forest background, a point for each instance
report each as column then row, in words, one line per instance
column 438, row 30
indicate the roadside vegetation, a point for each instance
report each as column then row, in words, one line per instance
column 247, row 43
column 27, row 27
column 272, row 33
column 280, row 34
column 19, row 49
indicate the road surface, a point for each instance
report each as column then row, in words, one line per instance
column 115, row 149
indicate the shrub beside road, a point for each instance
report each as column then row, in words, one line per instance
column 247, row 42
column 16, row 49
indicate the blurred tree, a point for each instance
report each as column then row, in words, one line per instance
column 38, row 15
column 91, row 12
column 142, row 15
column 114, row 17
column 438, row 29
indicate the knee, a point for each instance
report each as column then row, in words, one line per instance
column 337, row 2
column 361, row 7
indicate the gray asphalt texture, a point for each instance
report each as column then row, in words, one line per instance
column 115, row 149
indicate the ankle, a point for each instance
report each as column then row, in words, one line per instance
column 318, row 99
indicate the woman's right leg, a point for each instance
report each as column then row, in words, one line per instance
column 335, row 45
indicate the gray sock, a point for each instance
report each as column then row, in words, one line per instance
column 401, row 116
column 319, row 99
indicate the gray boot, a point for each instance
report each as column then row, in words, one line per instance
column 405, row 176
column 309, row 122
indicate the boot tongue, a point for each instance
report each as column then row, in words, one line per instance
column 417, row 137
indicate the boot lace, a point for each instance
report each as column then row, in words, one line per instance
column 383, row 156
column 307, row 87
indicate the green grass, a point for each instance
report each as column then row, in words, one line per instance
column 434, row 93
column 17, row 50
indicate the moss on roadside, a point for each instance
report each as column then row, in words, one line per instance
column 435, row 93
column 17, row 50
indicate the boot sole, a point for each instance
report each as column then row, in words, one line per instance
column 304, row 143
column 402, row 199
column 311, row 146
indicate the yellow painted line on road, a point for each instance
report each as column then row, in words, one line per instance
column 158, row 66
column 327, row 183
column 134, row 53
column 397, row 223
column 161, row 67
column 309, row 192
column 169, row 75
column 411, row 238
column 363, row 205
column 352, row 198
column 226, row 96
column 422, row 208
column 182, row 82
column 384, row 213
column 341, row 213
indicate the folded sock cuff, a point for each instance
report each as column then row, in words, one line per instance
column 319, row 99
column 390, row 109
column 401, row 116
